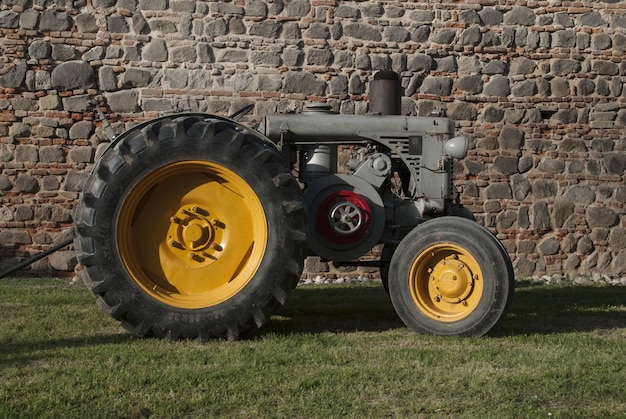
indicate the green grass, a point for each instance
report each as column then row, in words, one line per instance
column 333, row 351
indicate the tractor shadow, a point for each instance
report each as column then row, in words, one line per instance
column 544, row 309
column 536, row 310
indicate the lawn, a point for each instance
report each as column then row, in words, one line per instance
column 333, row 351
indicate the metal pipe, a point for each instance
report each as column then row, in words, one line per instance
column 37, row 257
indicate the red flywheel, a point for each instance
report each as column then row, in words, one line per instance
column 344, row 217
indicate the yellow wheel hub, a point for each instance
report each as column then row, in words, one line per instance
column 446, row 283
column 192, row 234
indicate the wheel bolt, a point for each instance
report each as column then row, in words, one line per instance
column 175, row 220
column 200, row 210
column 217, row 247
column 174, row 243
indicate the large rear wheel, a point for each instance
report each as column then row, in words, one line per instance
column 450, row 276
column 190, row 226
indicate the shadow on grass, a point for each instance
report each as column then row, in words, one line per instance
column 541, row 309
column 535, row 310
column 19, row 352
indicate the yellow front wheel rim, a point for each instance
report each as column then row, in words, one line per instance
column 446, row 282
column 191, row 234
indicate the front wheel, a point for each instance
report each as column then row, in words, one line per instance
column 450, row 276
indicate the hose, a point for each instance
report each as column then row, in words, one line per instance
column 36, row 257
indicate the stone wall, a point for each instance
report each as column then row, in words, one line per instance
column 539, row 85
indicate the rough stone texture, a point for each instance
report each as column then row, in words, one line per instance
column 73, row 75
column 537, row 85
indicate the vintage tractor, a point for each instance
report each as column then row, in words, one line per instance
column 195, row 226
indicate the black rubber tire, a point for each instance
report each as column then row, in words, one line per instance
column 180, row 138
column 476, row 242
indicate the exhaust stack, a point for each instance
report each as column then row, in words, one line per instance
column 385, row 94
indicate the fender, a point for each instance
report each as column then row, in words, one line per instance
column 176, row 115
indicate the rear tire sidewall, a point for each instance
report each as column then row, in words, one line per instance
column 235, row 312
column 477, row 242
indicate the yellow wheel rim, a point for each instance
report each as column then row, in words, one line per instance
column 446, row 283
column 192, row 234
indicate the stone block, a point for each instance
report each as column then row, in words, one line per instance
column 24, row 213
column 124, row 101
column 605, row 67
column 63, row 260
column 15, row 236
column 562, row 210
column 544, row 188
column 443, row 36
column 50, row 183
column 520, row 15
column 51, row 154
column 498, row 190
column 423, row 16
column 26, row 153
column 306, row 83
column 184, row 54
column 362, row 31
column 564, row 67
column 78, row 103
column 506, row 220
column 580, row 194
column 564, row 39
column 12, row 75
column 505, row 165
column 266, row 29
column 420, row 34
column 156, row 105
column 497, row 85
column 614, row 163
column 319, row 57
column 511, row 138
column 540, row 216
column 520, row 187
column 618, row 265
column 26, row 184
column 600, row 216
column 86, row 23
column 462, row 111
column 5, row 183
column 73, row 75
column 553, row 166
column 396, row 34
column 40, row 49
column 152, row 4
column 521, row 66
column 548, row 246
column 53, row 21
column 593, row 19
column 9, row 19
column 433, row 85
column 155, row 51
column 256, row 8
column 525, row 88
